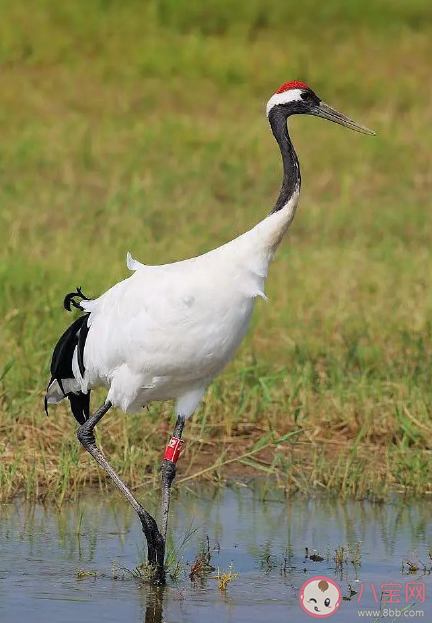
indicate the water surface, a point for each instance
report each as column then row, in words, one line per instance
column 42, row 548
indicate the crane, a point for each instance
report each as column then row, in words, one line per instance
column 166, row 331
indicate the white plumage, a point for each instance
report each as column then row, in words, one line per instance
column 166, row 331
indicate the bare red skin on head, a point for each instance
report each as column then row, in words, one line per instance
column 295, row 84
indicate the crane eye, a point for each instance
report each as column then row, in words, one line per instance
column 310, row 98
column 327, row 602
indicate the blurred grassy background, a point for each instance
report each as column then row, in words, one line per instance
column 140, row 126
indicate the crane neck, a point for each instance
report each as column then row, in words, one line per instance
column 291, row 181
column 266, row 236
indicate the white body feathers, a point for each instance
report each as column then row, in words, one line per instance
column 166, row 331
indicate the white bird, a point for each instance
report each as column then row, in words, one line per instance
column 166, row 331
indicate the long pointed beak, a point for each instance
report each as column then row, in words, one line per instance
column 327, row 112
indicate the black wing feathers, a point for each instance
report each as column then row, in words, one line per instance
column 80, row 406
column 61, row 365
column 82, row 336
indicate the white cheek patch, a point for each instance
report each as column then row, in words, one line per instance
column 283, row 98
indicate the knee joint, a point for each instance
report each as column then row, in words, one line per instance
column 86, row 436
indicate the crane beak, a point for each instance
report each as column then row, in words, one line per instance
column 327, row 112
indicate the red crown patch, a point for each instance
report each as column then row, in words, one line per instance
column 295, row 84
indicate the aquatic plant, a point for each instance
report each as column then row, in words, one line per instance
column 225, row 577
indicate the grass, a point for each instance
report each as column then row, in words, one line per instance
column 415, row 566
column 82, row 574
column 225, row 577
column 345, row 555
column 139, row 126
column 201, row 567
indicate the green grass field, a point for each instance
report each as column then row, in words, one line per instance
column 140, row 126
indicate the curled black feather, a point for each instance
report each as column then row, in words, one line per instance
column 69, row 299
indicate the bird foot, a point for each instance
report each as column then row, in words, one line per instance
column 155, row 545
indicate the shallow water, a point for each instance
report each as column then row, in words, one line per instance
column 42, row 548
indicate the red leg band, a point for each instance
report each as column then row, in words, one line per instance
column 173, row 450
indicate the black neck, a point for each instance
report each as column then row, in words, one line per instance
column 291, row 167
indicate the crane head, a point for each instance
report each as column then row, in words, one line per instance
column 296, row 98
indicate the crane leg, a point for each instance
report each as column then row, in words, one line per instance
column 155, row 542
column 169, row 470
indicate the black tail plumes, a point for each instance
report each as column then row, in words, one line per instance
column 69, row 299
column 61, row 364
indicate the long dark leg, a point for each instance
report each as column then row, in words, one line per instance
column 169, row 471
column 155, row 542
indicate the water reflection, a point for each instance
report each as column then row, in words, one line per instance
column 265, row 535
column 154, row 607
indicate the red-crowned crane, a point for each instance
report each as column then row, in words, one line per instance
column 166, row 331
